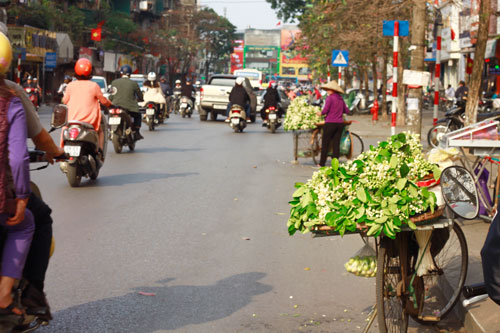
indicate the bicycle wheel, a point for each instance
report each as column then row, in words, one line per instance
column 391, row 314
column 357, row 145
column 443, row 286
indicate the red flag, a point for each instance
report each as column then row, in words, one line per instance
column 452, row 34
column 96, row 34
column 279, row 23
column 470, row 63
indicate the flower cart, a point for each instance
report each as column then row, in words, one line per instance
column 302, row 119
column 394, row 199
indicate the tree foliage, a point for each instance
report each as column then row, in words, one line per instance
column 288, row 10
column 216, row 34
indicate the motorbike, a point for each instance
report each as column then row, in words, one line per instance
column 176, row 97
column 32, row 95
column 454, row 119
column 81, row 143
column 152, row 115
column 237, row 118
column 273, row 121
column 186, row 107
column 34, row 317
column 120, row 131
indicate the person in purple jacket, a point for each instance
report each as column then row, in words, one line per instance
column 15, row 219
column 333, row 111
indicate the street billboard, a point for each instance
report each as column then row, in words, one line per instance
column 237, row 55
column 290, row 52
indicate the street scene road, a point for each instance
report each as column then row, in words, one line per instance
column 188, row 233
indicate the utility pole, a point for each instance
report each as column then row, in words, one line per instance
column 477, row 67
column 414, row 115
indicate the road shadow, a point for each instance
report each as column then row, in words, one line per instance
column 166, row 150
column 170, row 308
column 133, row 178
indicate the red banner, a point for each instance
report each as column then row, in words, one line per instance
column 236, row 61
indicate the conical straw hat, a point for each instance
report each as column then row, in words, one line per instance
column 332, row 85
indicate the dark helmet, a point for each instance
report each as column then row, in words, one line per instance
column 126, row 70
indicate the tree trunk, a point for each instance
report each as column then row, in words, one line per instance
column 367, row 86
column 414, row 118
column 348, row 78
column 384, row 85
column 477, row 68
column 375, row 81
column 401, row 117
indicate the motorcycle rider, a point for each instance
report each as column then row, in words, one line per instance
column 62, row 87
column 126, row 97
column 165, row 87
column 271, row 98
column 188, row 91
column 174, row 105
column 15, row 218
column 239, row 96
column 154, row 92
column 83, row 97
column 461, row 94
column 33, row 296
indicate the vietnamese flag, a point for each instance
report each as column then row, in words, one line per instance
column 96, row 34
column 470, row 63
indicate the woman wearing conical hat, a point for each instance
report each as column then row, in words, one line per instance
column 333, row 111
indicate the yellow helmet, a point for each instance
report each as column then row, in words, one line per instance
column 5, row 53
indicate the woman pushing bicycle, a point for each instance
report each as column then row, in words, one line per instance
column 334, row 110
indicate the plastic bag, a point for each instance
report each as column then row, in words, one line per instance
column 363, row 263
column 345, row 143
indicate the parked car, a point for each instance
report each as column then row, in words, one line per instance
column 214, row 96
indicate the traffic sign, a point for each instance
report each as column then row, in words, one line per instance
column 340, row 58
column 50, row 60
column 388, row 28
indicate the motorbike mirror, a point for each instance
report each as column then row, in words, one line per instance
column 59, row 116
column 459, row 192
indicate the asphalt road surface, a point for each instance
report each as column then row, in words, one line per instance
column 188, row 234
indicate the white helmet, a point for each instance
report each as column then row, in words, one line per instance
column 239, row 80
column 177, row 81
column 151, row 76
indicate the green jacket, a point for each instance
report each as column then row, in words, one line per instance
column 127, row 94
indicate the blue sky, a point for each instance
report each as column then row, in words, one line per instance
column 244, row 13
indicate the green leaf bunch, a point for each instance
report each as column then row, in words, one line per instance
column 378, row 190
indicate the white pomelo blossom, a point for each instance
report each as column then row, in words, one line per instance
column 301, row 116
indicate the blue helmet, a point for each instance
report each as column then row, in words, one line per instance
column 126, row 70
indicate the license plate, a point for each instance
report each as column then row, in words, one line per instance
column 184, row 105
column 220, row 107
column 115, row 120
column 272, row 116
column 235, row 121
column 150, row 112
column 72, row 150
